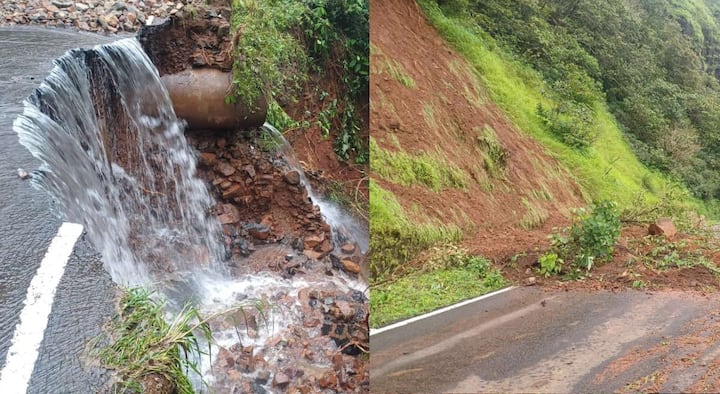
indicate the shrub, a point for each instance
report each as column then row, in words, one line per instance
column 590, row 239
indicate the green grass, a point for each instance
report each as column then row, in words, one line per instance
column 494, row 155
column 395, row 239
column 422, row 292
column 395, row 70
column 140, row 342
column 608, row 170
column 535, row 215
column 422, row 169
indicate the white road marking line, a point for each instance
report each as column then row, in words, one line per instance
column 393, row 326
column 29, row 333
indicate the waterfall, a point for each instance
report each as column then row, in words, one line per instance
column 114, row 158
column 345, row 228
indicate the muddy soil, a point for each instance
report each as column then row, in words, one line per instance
column 640, row 261
column 180, row 43
column 445, row 110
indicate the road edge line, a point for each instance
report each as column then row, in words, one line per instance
column 375, row 331
column 30, row 331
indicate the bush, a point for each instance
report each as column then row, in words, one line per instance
column 589, row 240
column 278, row 44
column 571, row 122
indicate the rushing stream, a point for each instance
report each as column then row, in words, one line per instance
column 114, row 158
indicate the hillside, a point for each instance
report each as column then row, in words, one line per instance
column 481, row 149
column 428, row 107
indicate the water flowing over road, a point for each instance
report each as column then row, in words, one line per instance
column 27, row 225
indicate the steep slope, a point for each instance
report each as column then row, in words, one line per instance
column 428, row 110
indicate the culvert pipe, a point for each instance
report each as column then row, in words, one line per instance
column 198, row 96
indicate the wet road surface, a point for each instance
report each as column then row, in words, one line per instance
column 27, row 225
column 533, row 340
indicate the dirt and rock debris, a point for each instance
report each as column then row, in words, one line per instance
column 272, row 227
column 99, row 16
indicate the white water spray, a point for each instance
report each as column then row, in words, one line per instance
column 114, row 157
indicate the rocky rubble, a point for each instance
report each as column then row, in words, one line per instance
column 92, row 15
column 263, row 203
column 324, row 351
column 271, row 226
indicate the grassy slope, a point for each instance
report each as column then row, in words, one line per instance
column 607, row 171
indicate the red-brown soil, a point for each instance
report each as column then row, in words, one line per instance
column 446, row 85
column 318, row 154
column 640, row 260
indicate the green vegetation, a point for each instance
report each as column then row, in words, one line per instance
column 589, row 241
column 494, row 155
column 142, row 343
column 451, row 275
column 421, row 169
column 607, row 169
column 280, row 44
column 569, row 68
column 397, row 72
column 396, row 238
column 535, row 216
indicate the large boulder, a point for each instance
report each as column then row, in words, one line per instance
column 663, row 226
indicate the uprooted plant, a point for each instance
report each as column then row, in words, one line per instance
column 589, row 241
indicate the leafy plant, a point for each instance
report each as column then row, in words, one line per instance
column 277, row 117
column 590, row 238
column 550, row 264
column 278, row 43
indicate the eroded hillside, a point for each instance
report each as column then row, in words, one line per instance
column 447, row 153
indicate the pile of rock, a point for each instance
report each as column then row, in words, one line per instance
column 91, row 15
column 263, row 202
column 262, row 199
column 300, row 359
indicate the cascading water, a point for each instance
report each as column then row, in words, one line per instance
column 345, row 228
column 114, row 157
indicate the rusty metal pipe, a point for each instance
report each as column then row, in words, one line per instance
column 198, row 96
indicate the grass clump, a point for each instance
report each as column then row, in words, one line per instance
column 140, row 342
column 450, row 275
column 397, row 72
column 269, row 60
column 395, row 239
column 494, row 155
column 535, row 216
column 422, row 169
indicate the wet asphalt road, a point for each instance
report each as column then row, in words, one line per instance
column 84, row 297
column 571, row 342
